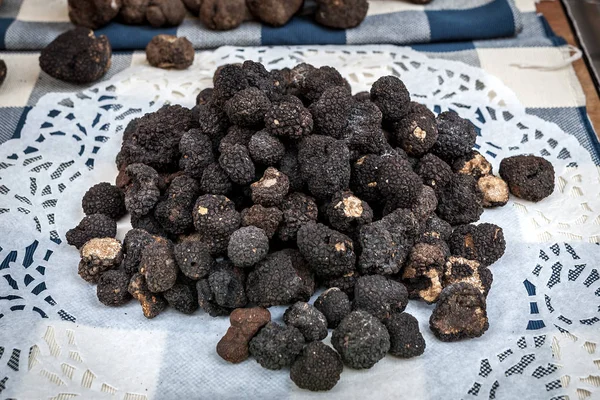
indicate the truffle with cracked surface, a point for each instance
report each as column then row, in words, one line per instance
column 170, row 51
column 334, row 304
column 92, row 226
column 310, row 321
column 317, row 368
column 379, row 296
column 528, row 177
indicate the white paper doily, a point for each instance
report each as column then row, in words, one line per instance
column 69, row 142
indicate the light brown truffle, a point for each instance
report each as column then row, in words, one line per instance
column 165, row 13
column 494, row 189
column 169, row 51
column 274, row 12
column 223, row 15
column 133, row 12
column 93, row 14
column 245, row 323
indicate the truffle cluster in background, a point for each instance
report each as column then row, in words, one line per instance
column 217, row 14
column 281, row 182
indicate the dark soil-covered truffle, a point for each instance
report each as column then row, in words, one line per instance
column 434, row 172
column 265, row 218
column 364, row 177
column 392, row 97
column 215, row 180
column 135, row 241
column 310, row 321
column 91, row 226
column 288, row 120
column 298, row 209
column 271, row 189
column 347, row 213
column 182, row 298
column 170, row 51
column 335, row 305
column 112, row 288
column 215, row 215
column 436, row 228
column 425, row 205
column 460, row 202
column 266, row 149
column 93, row 14
column 317, row 368
column 330, row 112
column 223, row 15
column 227, row 285
column 397, row 182
column 193, row 259
column 423, row 272
column 247, row 107
column 276, row 346
column 417, row 132
column 528, row 177
column 361, row 339
column 274, row 12
column 77, row 56
column 247, row 246
column 313, row 82
column 196, row 153
column 158, row 266
column 147, row 223
column 104, row 198
column 379, row 296
column 165, row 13
column 342, row 14
column 456, row 136
column 406, row 340
column 236, row 162
column 143, row 194
column 460, row 313
column 484, row 242
column 174, row 213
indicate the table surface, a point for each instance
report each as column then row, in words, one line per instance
column 555, row 14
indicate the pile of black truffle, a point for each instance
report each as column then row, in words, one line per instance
column 281, row 182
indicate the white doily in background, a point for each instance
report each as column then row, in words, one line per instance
column 70, row 140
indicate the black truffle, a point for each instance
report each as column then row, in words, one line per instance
column 193, row 259
column 494, row 189
column 271, row 189
column 158, row 266
column 347, row 213
column 276, row 346
column 460, row 202
column 265, row 218
column 196, row 153
column 266, row 149
column 364, row 177
column 317, row 368
column 417, row 132
column 342, row 14
column 143, row 194
column 330, row 113
column 215, row 215
column 247, row 246
column 247, row 107
column 91, row 226
column 215, row 180
column 288, row 120
column 112, row 288
column 182, row 298
column 135, row 241
column 298, row 209
column 227, row 284
column 459, row 269
column 456, row 136
column 93, row 14
column 392, row 97
column 528, row 177
column 406, row 340
column 104, row 198
column 223, row 15
column 274, row 12
column 309, row 321
column 473, row 163
column 335, row 305
column 423, row 272
column 170, row 51
column 434, row 172
column 228, row 80
column 397, row 182
column 165, row 13
column 484, row 242
column 379, row 296
column 174, row 213
column 236, row 162
column 152, row 303
column 97, row 256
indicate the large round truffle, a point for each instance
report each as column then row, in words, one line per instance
column 529, row 177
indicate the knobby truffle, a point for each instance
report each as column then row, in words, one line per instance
column 528, row 177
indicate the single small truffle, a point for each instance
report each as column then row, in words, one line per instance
column 528, row 177
column 330, row 113
column 276, row 346
column 182, row 298
column 193, row 259
column 313, row 82
column 245, row 323
column 215, row 215
column 224, row 290
column 97, row 256
column 274, row 12
column 267, row 219
column 317, row 368
column 112, row 288
column 165, row 13
column 460, row 202
column 152, row 303
column 364, row 177
column 169, row 51
column 425, row 205
column 472, row 163
column 345, row 283
column 379, row 296
column 361, row 339
column 456, row 136
column 158, row 266
column 143, row 194
column 205, row 96
column 236, row 162
column 104, row 198
column 247, row 107
column 459, row 269
column 494, row 189
column 434, row 172
column 391, row 96
column 406, row 341
column 266, row 149
column 436, row 228
column 310, row 321
column 92, row 226
column 347, row 213
column 460, row 313
column 135, row 241
column 417, row 132
column 484, row 242
column 335, row 305
column 93, row 14
column 223, row 15
column 271, row 189
column 247, row 246
column 397, row 182
column 288, row 120
column 341, row 14
column 77, row 56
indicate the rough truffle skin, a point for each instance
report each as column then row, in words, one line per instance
column 363, row 132
column 196, row 153
column 223, row 15
column 347, row 213
column 364, row 177
column 135, row 241
column 266, row 149
column 397, row 182
column 274, row 12
column 361, row 339
column 316, row 81
column 276, row 346
column 330, row 112
column 158, row 266
column 271, row 189
column 298, row 209
column 147, row 223
column 460, row 313
column 97, row 256
column 309, row 321
column 205, row 96
column 484, row 242
column 528, row 177
column 182, row 298
column 165, row 13
column 288, row 120
column 329, row 253
column 495, row 191
column 424, row 270
column 379, row 296
column 434, row 172
column 104, row 198
column 265, row 218
column 169, row 51
column 236, row 135
column 417, row 132
column 174, row 213
column 317, row 368
column 93, row 14
column 247, row 107
column 236, row 162
column 91, row 226
column 215, row 215
column 206, row 300
column 406, row 340
column 228, row 80
column 152, row 303
column 341, row 14
column 436, row 228
column 77, row 56
column 335, row 305
column 290, row 166
column 456, row 136
column 324, row 162
column 143, row 194
column 459, row 269
column 227, row 285
column 391, row 96
column 215, row 180
column 472, row 163
column 247, row 246
column 213, row 122
column 425, row 205
column 193, row 259
column 112, row 288
column 283, row 277
column 460, row 202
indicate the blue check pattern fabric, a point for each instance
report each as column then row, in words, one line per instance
column 32, row 24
